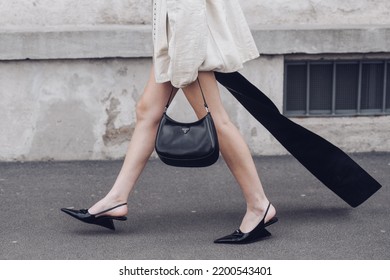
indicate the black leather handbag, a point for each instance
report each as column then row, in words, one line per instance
column 187, row 144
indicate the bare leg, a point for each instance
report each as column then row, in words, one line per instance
column 149, row 111
column 233, row 149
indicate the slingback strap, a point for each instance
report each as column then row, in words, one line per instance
column 266, row 211
column 201, row 90
column 112, row 208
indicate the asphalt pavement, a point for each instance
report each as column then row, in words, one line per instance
column 176, row 213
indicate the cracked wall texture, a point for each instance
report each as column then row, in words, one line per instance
column 85, row 109
column 75, row 110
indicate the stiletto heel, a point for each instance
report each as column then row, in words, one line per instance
column 96, row 219
column 259, row 232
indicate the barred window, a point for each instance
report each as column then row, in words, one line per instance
column 334, row 87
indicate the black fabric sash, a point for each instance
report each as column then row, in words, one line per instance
column 325, row 161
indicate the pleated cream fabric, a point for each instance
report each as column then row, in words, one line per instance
column 199, row 35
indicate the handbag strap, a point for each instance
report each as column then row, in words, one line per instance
column 204, row 99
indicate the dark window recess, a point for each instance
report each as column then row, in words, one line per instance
column 331, row 88
column 387, row 87
column 296, row 100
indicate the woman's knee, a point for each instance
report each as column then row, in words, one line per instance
column 222, row 123
column 147, row 111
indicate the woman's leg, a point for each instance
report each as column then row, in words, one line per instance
column 233, row 149
column 149, row 111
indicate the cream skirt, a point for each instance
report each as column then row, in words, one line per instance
column 199, row 35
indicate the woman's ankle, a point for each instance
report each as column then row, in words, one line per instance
column 109, row 201
column 260, row 210
column 115, row 198
column 103, row 205
column 254, row 215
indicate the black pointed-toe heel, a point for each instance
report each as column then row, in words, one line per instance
column 258, row 233
column 96, row 219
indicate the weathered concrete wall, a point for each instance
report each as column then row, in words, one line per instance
column 80, row 109
column 318, row 12
column 75, row 100
column 84, row 109
column 73, row 12
column 264, row 12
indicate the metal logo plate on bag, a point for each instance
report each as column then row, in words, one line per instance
column 185, row 130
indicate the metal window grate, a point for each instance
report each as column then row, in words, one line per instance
column 333, row 87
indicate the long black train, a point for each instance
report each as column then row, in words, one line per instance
column 334, row 168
